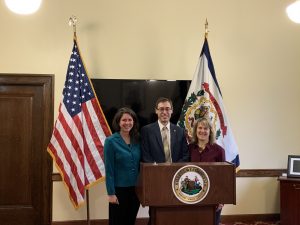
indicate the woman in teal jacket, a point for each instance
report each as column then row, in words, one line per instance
column 122, row 158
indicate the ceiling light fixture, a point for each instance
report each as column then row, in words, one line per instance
column 293, row 11
column 24, row 7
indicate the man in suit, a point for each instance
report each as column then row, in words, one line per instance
column 163, row 141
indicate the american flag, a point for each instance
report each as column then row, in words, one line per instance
column 79, row 133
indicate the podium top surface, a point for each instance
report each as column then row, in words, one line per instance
column 180, row 164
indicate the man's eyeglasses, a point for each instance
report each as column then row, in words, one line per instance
column 164, row 109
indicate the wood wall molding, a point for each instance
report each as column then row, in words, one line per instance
column 56, row 177
column 225, row 219
column 241, row 173
column 260, row 172
column 246, row 218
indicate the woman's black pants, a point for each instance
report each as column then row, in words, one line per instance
column 125, row 212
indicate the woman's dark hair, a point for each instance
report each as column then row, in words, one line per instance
column 134, row 132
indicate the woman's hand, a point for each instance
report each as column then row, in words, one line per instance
column 113, row 199
column 219, row 207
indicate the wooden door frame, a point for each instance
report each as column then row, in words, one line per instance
column 46, row 81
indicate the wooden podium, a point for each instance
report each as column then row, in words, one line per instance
column 155, row 189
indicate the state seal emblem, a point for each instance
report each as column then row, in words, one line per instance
column 190, row 184
column 203, row 104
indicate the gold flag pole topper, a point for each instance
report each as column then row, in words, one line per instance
column 206, row 28
column 73, row 22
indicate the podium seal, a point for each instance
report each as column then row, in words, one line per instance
column 190, row 184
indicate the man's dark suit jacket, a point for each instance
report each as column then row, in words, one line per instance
column 152, row 146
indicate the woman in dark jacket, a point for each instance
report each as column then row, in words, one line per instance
column 122, row 157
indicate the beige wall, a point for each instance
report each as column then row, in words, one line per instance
column 255, row 49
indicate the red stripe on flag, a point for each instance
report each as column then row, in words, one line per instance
column 91, row 161
column 96, row 140
column 89, row 157
column 66, row 178
column 72, row 138
column 101, row 117
column 68, row 157
column 78, row 124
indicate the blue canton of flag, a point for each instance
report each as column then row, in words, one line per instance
column 77, row 88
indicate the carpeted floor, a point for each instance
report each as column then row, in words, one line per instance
column 253, row 223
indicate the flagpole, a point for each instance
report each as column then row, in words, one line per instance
column 206, row 28
column 88, row 207
column 72, row 22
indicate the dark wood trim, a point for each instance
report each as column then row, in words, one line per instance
column 225, row 219
column 260, row 172
column 56, row 177
column 81, row 222
column 246, row 218
column 241, row 173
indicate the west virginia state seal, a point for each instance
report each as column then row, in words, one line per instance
column 190, row 184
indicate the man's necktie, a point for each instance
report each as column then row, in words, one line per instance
column 165, row 141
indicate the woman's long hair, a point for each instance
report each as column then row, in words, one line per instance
column 134, row 132
column 206, row 123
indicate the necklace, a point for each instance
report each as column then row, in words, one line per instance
column 201, row 150
column 125, row 137
column 201, row 146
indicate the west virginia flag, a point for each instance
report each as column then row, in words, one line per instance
column 204, row 98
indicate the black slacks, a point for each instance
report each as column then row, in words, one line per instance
column 218, row 216
column 125, row 212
